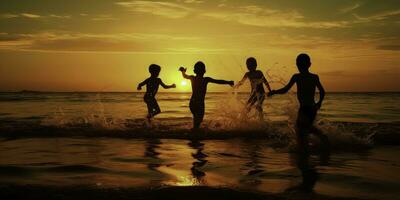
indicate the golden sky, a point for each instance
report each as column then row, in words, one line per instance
column 106, row 45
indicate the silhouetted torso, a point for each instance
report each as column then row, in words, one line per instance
column 152, row 85
column 256, row 79
column 306, row 85
column 199, row 88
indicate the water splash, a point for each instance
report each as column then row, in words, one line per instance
column 94, row 117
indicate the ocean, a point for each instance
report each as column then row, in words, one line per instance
column 102, row 140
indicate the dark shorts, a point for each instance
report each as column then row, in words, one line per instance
column 197, row 108
column 152, row 105
column 306, row 116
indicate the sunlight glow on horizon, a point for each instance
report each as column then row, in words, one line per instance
column 108, row 46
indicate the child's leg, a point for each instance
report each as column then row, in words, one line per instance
column 152, row 107
column 149, row 109
column 156, row 108
column 303, row 124
column 251, row 101
column 197, row 121
column 260, row 101
column 197, row 110
column 302, row 140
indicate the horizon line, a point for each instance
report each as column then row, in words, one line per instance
column 42, row 91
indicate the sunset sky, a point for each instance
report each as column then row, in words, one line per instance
column 107, row 45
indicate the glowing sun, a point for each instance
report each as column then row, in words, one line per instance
column 184, row 83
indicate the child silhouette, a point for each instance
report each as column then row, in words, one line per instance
column 199, row 90
column 306, row 84
column 257, row 79
column 152, row 83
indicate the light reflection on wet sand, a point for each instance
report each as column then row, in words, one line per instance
column 235, row 163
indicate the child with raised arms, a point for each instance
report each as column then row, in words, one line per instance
column 199, row 90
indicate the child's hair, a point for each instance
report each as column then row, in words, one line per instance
column 303, row 61
column 251, row 63
column 154, row 69
column 199, row 68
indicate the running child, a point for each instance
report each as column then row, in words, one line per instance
column 199, row 90
column 152, row 83
column 257, row 79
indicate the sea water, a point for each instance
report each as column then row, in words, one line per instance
column 102, row 140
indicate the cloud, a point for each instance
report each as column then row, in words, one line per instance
column 165, row 9
column 83, row 42
column 30, row 15
column 193, row 1
column 60, row 16
column 103, row 18
column 33, row 16
column 350, row 8
column 390, row 47
column 8, row 16
column 378, row 16
column 264, row 17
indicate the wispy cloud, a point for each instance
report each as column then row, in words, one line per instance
column 84, row 42
column 60, row 16
column 379, row 16
column 264, row 17
column 165, row 9
column 103, row 18
column 30, row 15
column 33, row 16
column 350, row 8
column 8, row 16
column 193, row 1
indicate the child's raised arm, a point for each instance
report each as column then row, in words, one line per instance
column 211, row 80
column 183, row 70
column 139, row 87
column 321, row 93
column 285, row 89
column 167, row 86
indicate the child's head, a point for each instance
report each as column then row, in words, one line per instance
column 199, row 68
column 251, row 64
column 154, row 70
column 303, row 62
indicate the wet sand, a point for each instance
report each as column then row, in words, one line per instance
column 165, row 193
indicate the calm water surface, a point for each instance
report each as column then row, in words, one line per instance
column 235, row 163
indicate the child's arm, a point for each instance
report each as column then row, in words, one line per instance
column 241, row 81
column 321, row 93
column 266, row 83
column 285, row 89
column 211, row 80
column 183, row 70
column 167, row 86
column 139, row 87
